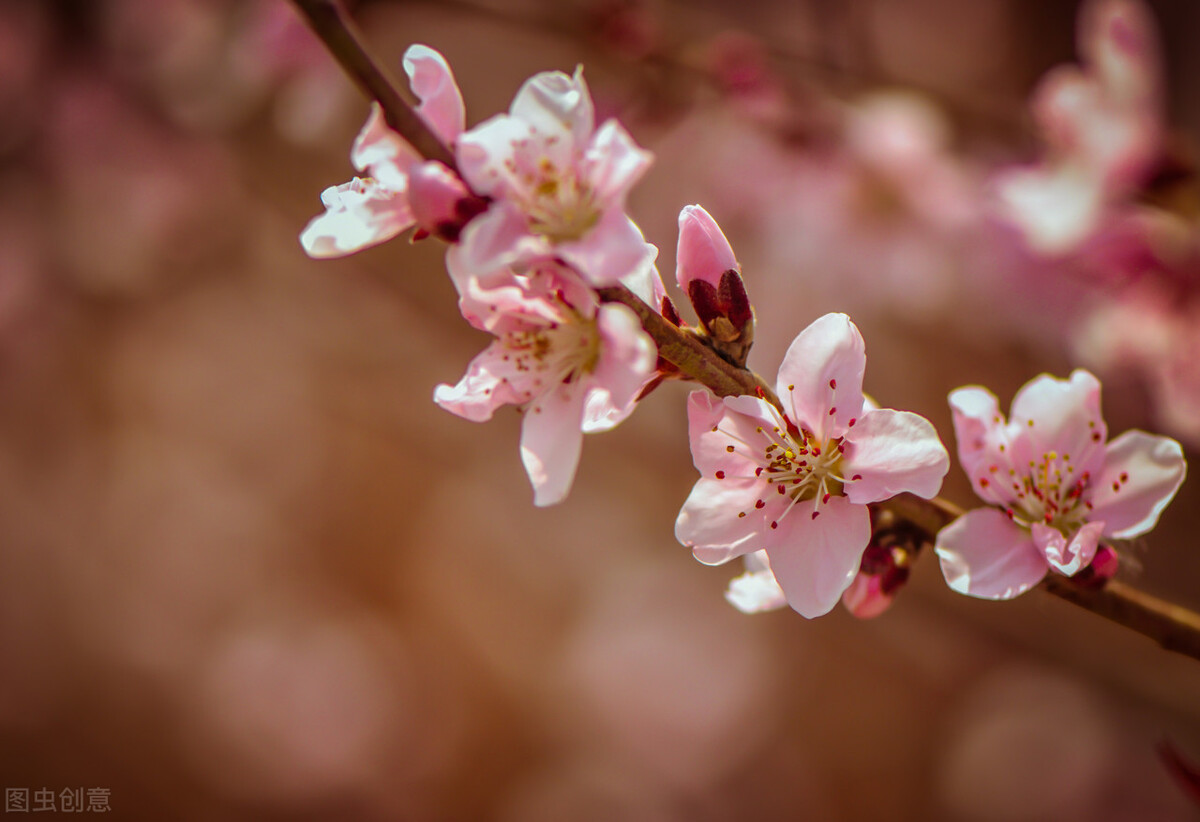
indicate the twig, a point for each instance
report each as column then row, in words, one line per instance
column 1171, row 626
column 344, row 42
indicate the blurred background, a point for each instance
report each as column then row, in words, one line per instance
column 248, row 570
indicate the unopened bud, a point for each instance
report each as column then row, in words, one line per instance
column 703, row 252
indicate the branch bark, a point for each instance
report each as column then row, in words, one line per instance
column 345, row 43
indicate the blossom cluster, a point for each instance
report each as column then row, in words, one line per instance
column 534, row 215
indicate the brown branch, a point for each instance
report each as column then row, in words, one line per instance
column 345, row 43
column 1171, row 626
column 692, row 357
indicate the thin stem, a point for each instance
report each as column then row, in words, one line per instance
column 345, row 43
column 1171, row 626
column 692, row 357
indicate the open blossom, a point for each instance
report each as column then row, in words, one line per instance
column 1058, row 487
column 572, row 364
column 1103, row 127
column 796, row 484
column 376, row 207
column 558, row 184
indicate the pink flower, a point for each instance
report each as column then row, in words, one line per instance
column 571, row 363
column 369, row 210
column 1057, row 487
column 558, row 184
column 1103, row 128
column 797, row 486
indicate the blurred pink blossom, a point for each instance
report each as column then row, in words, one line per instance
column 1103, row 127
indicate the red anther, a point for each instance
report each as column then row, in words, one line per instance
column 815, row 514
column 720, row 475
column 853, row 420
column 832, row 411
column 833, row 384
column 774, row 524
column 856, row 477
column 759, row 504
column 825, row 499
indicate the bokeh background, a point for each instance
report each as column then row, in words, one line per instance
column 248, row 570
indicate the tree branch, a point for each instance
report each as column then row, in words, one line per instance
column 345, row 43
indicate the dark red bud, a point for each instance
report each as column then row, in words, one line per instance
column 705, row 301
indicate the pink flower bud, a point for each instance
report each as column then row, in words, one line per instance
column 703, row 252
column 865, row 598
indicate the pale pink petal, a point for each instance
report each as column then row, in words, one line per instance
column 1141, row 474
column 383, row 153
column 646, row 282
column 1118, row 40
column 554, row 103
column 890, row 452
column 815, row 559
column 612, row 250
column 487, row 385
column 984, row 554
column 614, row 163
column 433, row 83
column 1061, row 416
column 979, row 429
column 551, row 441
column 1067, row 557
column 820, row 379
column 434, row 192
column 756, row 590
column 359, row 214
column 709, row 523
column 1054, row 209
column 627, row 359
column 703, row 252
column 723, row 435
column 486, row 153
column 495, row 239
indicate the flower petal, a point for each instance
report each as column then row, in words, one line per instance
column 613, row 163
column 358, row 215
column 383, row 153
column 487, row 385
column 1062, row 416
column 611, row 250
column 820, row 379
column 433, row 83
column 626, row 361
column 703, row 252
column 1067, row 557
column 816, row 559
column 1153, row 468
column 891, row 452
column 709, row 523
column 551, row 441
column 984, row 554
column 554, row 103
column 756, row 590
column 982, row 436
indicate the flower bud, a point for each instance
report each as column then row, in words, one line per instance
column 703, row 252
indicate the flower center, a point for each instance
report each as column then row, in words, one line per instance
column 794, row 463
column 801, row 468
column 559, row 206
column 1048, row 491
column 555, row 352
